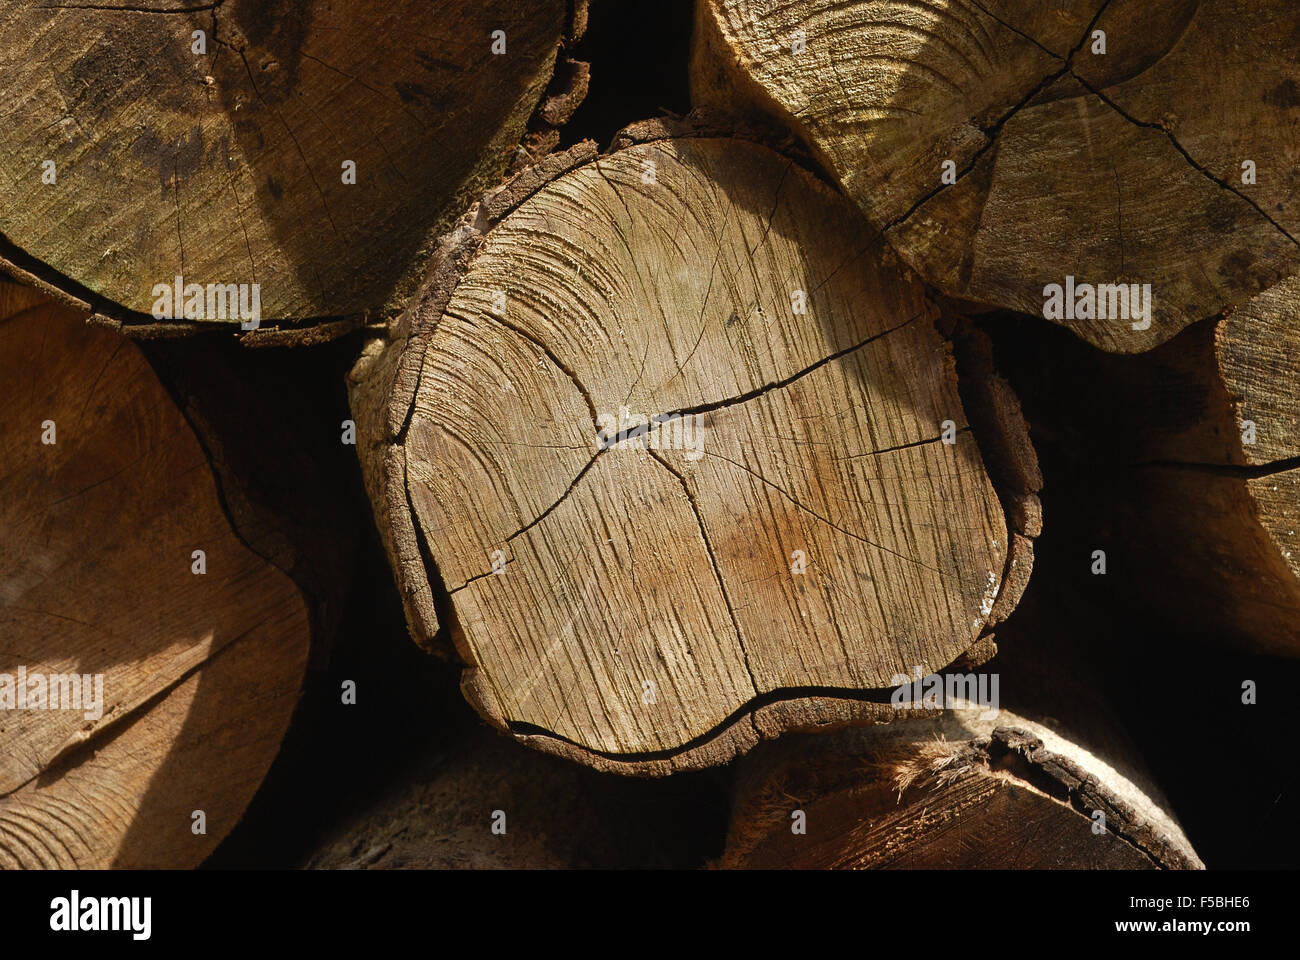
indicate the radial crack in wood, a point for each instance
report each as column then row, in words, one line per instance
column 679, row 458
column 1162, row 161
column 187, row 666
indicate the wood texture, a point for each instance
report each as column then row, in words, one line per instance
column 1122, row 167
column 1225, row 512
column 200, row 673
column 1011, row 781
column 948, row 792
column 647, row 615
column 228, row 166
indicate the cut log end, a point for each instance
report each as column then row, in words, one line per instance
column 945, row 792
column 149, row 661
column 1240, row 463
column 310, row 152
column 1099, row 123
column 678, row 457
column 1188, row 469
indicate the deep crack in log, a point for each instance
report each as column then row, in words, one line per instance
column 673, row 472
column 1003, row 146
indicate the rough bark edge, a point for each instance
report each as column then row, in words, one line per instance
column 1024, row 755
column 383, row 384
column 563, row 93
column 705, row 124
column 386, row 379
column 1002, row 437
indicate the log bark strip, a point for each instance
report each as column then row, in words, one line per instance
column 200, row 673
column 212, row 142
column 648, row 609
column 1130, row 165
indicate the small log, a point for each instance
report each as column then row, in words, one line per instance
column 678, row 457
column 481, row 802
column 105, row 497
column 1002, row 146
column 312, row 148
column 1027, row 766
column 951, row 792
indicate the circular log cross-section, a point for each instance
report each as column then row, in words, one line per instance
column 312, row 148
column 1005, row 146
column 149, row 661
column 685, row 454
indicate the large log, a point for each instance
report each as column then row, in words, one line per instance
column 314, row 148
column 1000, row 149
column 665, row 445
column 190, row 665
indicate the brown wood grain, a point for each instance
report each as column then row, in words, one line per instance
column 951, row 791
column 647, row 597
column 227, row 166
column 200, row 673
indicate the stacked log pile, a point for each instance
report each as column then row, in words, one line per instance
column 692, row 453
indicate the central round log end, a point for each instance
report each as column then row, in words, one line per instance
column 684, row 450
